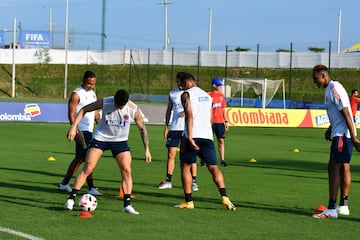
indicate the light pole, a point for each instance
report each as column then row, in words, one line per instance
column 51, row 25
column 103, row 35
column 339, row 33
column 166, row 35
column 210, row 29
column 66, row 46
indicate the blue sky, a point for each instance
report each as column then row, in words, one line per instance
column 139, row 24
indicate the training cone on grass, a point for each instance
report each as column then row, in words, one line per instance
column 85, row 214
column 296, row 150
column 253, row 160
column 51, row 158
column 121, row 193
column 320, row 208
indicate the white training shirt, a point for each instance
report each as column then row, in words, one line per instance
column 114, row 125
column 201, row 105
column 336, row 99
column 86, row 97
column 177, row 121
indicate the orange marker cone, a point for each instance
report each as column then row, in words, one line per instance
column 85, row 214
column 320, row 208
column 121, row 192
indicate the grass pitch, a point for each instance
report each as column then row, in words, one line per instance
column 275, row 196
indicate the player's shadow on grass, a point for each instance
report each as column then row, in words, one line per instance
column 285, row 210
column 291, row 165
column 31, row 171
column 284, row 164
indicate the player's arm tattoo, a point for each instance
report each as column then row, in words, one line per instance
column 185, row 100
column 139, row 120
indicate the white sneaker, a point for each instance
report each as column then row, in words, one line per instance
column 194, row 186
column 328, row 213
column 164, row 185
column 94, row 191
column 69, row 205
column 343, row 210
column 129, row 209
column 65, row 188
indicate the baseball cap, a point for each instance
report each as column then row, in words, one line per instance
column 217, row 81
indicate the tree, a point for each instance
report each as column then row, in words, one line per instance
column 316, row 49
column 284, row 50
column 239, row 49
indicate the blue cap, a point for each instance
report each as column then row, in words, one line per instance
column 217, row 81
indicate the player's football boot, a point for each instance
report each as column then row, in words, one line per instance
column 95, row 192
column 343, row 210
column 65, row 187
column 129, row 209
column 227, row 203
column 189, row 205
column 69, row 205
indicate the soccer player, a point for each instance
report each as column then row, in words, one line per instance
column 81, row 96
column 173, row 136
column 198, row 140
column 111, row 134
column 342, row 133
column 354, row 101
column 219, row 120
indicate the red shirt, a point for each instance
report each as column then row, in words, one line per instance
column 218, row 105
column 354, row 101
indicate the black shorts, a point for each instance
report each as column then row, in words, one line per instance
column 219, row 130
column 174, row 138
column 206, row 152
column 81, row 149
column 115, row 147
column 341, row 149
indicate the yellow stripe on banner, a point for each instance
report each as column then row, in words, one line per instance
column 270, row 117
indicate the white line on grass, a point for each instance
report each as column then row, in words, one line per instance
column 24, row 235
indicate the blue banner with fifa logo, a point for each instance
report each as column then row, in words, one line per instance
column 2, row 38
column 35, row 39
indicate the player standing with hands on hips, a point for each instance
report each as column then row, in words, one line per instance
column 111, row 133
column 175, row 111
column 219, row 119
column 198, row 140
column 80, row 97
column 342, row 134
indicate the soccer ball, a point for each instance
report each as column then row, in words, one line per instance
column 88, row 202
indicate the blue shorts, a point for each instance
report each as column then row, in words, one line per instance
column 174, row 138
column 115, row 147
column 341, row 149
column 219, row 130
column 81, row 149
column 206, row 152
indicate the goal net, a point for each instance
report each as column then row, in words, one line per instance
column 264, row 88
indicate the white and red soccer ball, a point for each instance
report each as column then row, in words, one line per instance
column 88, row 202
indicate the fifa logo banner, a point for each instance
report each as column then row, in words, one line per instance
column 35, row 39
column 2, row 39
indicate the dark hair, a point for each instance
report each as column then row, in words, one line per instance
column 88, row 74
column 320, row 68
column 353, row 91
column 121, row 97
column 186, row 76
column 180, row 74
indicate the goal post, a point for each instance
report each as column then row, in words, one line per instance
column 262, row 87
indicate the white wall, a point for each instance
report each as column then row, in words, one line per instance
column 185, row 58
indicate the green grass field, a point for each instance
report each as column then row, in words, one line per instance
column 275, row 197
